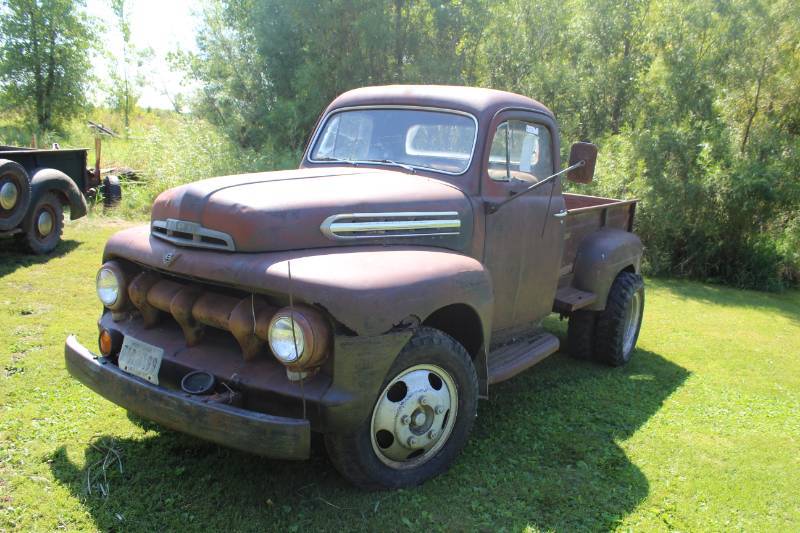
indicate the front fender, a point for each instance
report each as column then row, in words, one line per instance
column 44, row 180
column 601, row 257
column 369, row 289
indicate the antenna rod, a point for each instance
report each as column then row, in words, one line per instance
column 294, row 336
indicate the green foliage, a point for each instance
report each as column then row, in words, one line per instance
column 269, row 68
column 163, row 148
column 44, row 58
column 694, row 104
column 127, row 75
column 698, row 433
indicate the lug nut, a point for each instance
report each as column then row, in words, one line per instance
column 405, row 420
column 423, row 400
column 412, row 441
column 439, row 409
column 432, row 434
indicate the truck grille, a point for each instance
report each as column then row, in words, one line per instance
column 195, row 308
column 185, row 233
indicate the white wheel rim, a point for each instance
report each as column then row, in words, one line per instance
column 632, row 316
column 8, row 196
column 414, row 416
column 44, row 223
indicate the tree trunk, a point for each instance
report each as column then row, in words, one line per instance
column 50, row 82
column 38, row 83
column 399, row 38
column 622, row 92
column 753, row 111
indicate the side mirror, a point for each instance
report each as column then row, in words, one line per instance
column 586, row 152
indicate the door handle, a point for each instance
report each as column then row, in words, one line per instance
column 560, row 214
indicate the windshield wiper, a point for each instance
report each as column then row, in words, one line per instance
column 357, row 162
column 388, row 162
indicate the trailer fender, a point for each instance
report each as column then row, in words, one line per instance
column 601, row 257
column 44, row 180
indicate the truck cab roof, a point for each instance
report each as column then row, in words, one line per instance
column 480, row 102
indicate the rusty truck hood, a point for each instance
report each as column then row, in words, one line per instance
column 313, row 208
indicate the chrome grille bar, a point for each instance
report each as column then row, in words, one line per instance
column 397, row 224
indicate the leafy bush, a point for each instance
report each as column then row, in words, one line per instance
column 165, row 150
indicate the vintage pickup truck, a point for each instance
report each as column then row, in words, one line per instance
column 372, row 295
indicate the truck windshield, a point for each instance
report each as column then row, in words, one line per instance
column 436, row 140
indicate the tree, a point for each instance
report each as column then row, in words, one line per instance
column 45, row 48
column 694, row 103
column 127, row 77
column 268, row 68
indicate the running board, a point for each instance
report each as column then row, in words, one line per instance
column 507, row 361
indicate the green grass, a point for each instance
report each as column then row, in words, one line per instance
column 165, row 149
column 700, row 432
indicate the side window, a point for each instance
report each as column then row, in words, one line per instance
column 520, row 151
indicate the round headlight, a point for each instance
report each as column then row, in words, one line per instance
column 112, row 285
column 108, row 286
column 299, row 337
column 286, row 339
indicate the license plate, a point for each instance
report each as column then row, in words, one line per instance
column 140, row 359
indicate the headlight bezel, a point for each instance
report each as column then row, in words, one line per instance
column 291, row 324
column 118, row 274
column 315, row 333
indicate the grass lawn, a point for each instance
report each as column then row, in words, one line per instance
column 700, row 432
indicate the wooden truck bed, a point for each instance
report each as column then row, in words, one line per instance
column 585, row 215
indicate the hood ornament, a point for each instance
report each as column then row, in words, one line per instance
column 187, row 233
column 169, row 258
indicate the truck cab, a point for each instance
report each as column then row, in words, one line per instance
column 373, row 294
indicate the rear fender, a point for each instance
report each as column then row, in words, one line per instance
column 44, row 180
column 601, row 257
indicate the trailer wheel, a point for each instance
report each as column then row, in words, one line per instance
column 618, row 325
column 15, row 194
column 420, row 421
column 112, row 191
column 43, row 225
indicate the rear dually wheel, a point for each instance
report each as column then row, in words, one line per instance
column 618, row 325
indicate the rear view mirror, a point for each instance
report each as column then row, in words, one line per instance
column 586, row 152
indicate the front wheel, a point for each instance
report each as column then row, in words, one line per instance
column 420, row 421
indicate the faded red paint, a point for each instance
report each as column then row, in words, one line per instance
column 207, row 308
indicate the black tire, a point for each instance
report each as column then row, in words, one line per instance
column 613, row 322
column 16, row 181
column 112, row 191
column 353, row 454
column 580, row 334
column 32, row 238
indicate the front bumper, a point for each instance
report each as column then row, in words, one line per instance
column 250, row 431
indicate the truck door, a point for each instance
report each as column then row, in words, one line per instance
column 524, row 239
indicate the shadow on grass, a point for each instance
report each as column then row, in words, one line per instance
column 786, row 303
column 544, row 452
column 13, row 256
